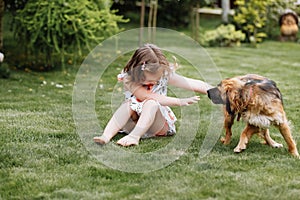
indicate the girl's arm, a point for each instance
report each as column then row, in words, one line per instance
column 189, row 83
column 142, row 94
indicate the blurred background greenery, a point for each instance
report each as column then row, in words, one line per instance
column 43, row 35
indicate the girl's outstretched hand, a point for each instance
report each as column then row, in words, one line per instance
column 188, row 101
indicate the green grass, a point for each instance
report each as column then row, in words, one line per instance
column 42, row 157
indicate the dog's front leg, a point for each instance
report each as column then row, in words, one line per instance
column 228, row 122
column 245, row 137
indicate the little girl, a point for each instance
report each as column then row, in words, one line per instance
column 145, row 111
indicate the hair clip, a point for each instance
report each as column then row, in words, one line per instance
column 143, row 66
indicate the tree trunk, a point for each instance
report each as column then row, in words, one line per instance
column 225, row 8
column 1, row 23
column 142, row 22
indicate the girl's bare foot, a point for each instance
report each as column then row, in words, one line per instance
column 101, row 140
column 128, row 140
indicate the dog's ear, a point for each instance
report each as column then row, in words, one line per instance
column 233, row 88
column 233, row 101
column 228, row 106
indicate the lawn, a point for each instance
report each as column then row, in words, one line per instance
column 42, row 156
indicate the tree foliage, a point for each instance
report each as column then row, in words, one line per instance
column 64, row 27
column 171, row 13
column 14, row 5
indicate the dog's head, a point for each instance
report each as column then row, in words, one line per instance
column 226, row 93
column 214, row 94
column 235, row 93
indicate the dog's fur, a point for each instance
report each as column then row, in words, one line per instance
column 259, row 102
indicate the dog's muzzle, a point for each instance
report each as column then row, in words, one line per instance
column 215, row 96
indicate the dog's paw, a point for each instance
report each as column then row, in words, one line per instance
column 295, row 153
column 225, row 141
column 238, row 149
column 277, row 145
column 222, row 140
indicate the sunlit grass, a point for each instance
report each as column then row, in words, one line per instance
column 42, row 157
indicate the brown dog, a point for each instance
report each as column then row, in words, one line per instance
column 259, row 102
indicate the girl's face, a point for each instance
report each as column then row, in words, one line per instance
column 152, row 78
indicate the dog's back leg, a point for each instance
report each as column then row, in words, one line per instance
column 245, row 137
column 286, row 133
column 266, row 136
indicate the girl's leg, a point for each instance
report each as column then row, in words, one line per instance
column 150, row 120
column 117, row 122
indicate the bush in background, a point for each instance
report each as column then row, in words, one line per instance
column 59, row 28
column 251, row 17
column 223, row 36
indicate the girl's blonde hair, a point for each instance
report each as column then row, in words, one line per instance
column 148, row 58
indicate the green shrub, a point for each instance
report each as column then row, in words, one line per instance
column 251, row 17
column 224, row 36
column 49, row 29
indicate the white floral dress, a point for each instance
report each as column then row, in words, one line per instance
column 160, row 88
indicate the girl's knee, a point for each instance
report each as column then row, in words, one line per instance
column 151, row 103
